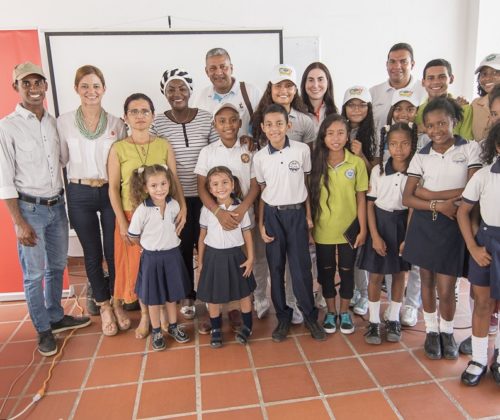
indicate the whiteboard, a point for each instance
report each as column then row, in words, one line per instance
column 135, row 61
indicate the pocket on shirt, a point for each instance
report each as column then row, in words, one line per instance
column 25, row 151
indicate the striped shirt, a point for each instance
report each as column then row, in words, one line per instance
column 187, row 140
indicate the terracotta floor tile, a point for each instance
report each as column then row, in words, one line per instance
column 227, row 334
column 6, row 330
column 170, row 363
column 414, row 336
column 115, row 370
column 288, row 382
column 357, row 407
column 268, row 353
column 314, row 409
column 413, row 403
column 334, row 346
column 21, row 353
column 65, row 376
column 480, row 401
column 443, row 368
column 80, row 346
column 263, row 328
column 228, row 357
column 167, row 398
column 49, row 407
column 9, row 375
column 93, row 328
column 358, row 341
column 25, row 332
column 115, row 403
column 341, row 376
column 228, row 390
column 13, row 311
column 123, row 342
column 244, row 414
column 395, row 368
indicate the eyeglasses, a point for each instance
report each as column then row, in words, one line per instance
column 357, row 106
column 137, row 112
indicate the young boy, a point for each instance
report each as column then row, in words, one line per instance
column 436, row 79
column 284, row 219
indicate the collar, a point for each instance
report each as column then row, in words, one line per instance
column 389, row 88
column 219, row 143
column 495, row 168
column 27, row 114
column 348, row 158
column 427, row 149
column 149, row 203
column 293, row 113
column 272, row 149
column 389, row 168
column 235, row 87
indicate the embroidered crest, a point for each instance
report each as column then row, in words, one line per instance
column 349, row 173
column 245, row 158
column 294, row 166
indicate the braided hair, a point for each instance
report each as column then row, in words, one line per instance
column 386, row 132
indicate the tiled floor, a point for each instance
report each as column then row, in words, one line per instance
column 121, row 378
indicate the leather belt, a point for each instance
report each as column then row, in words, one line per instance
column 94, row 183
column 50, row 201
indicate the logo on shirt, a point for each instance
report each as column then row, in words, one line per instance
column 294, row 166
column 349, row 173
column 242, row 106
column 459, row 158
column 245, row 158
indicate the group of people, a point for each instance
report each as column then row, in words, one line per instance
column 395, row 186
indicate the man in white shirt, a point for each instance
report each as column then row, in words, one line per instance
column 31, row 187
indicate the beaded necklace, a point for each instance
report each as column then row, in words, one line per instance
column 101, row 125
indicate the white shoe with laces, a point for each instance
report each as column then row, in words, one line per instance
column 262, row 307
column 361, row 307
column 297, row 317
column 409, row 316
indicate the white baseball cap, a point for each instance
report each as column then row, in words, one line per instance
column 491, row 60
column 357, row 92
column 405, row 95
column 223, row 105
column 284, row 72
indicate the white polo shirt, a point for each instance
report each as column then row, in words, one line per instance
column 156, row 233
column 445, row 171
column 219, row 238
column 283, row 172
column 484, row 187
column 302, row 128
column 386, row 190
column 208, row 99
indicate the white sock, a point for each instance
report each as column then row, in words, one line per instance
column 446, row 326
column 479, row 354
column 431, row 322
column 394, row 308
column 374, row 308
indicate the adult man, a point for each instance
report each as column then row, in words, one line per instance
column 399, row 64
column 31, row 187
column 225, row 88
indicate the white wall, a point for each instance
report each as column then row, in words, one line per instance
column 354, row 36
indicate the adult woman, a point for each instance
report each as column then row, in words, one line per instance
column 86, row 136
column 138, row 149
column 188, row 130
column 316, row 89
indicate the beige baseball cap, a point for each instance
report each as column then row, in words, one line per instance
column 25, row 69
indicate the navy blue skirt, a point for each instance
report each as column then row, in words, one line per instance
column 162, row 277
column 489, row 237
column 392, row 228
column 221, row 278
column 436, row 245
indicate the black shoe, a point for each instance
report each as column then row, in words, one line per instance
column 134, row 306
column 495, row 367
column 466, row 346
column 47, row 345
column 317, row 332
column 449, row 346
column 471, row 379
column 178, row 334
column 69, row 322
column 393, row 330
column 216, row 338
column 92, row 307
column 432, row 346
column 281, row 331
column 372, row 334
column 158, row 341
column 243, row 334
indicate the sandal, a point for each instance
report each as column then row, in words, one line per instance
column 142, row 331
column 108, row 320
column 122, row 319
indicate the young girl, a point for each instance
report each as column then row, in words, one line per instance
column 225, row 272
column 162, row 278
column 484, row 261
column 433, row 240
column 387, row 218
column 338, row 185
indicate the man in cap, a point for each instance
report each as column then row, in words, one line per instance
column 31, row 187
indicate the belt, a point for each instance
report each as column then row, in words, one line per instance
column 94, row 183
column 51, row 201
column 288, row 206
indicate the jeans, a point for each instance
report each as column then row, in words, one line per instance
column 84, row 204
column 43, row 264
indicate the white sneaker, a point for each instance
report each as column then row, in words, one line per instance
column 297, row 317
column 361, row 306
column 319, row 300
column 188, row 312
column 262, row 307
column 409, row 316
column 355, row 297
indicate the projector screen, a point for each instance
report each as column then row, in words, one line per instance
column 135, row 61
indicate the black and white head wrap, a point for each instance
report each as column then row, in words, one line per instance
column 176, row 74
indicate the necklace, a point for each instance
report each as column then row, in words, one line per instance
column 143, row 152
column 184, row 120
column 99, row 130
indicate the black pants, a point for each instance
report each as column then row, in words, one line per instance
column 90, row 211
column 327, row 266
column 291, row 239
column 189, row 238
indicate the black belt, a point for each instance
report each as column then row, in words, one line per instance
column 51, row 201
column 288, row 206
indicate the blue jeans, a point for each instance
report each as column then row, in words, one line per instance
column 45, row 262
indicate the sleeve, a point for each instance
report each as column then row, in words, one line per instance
column 306, row 164
column 175, row 209
column 245, row 222
column 201, row 167
column 373, row 183
column 474, row 155
column 137, row 222
column 361, row 176
column 62, row 142
column 7, row 167
column 465, row 130
column 204, row 218
column 415, row 168
column 309, row 132
column 259, row 174
column 472, row 191
column 252, row 166
column 213, row 136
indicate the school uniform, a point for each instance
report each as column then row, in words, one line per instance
column 162, row 276
column 437, row 245
column 221, row 278
column 484, row 187
column 386, row 191
column 283, row 174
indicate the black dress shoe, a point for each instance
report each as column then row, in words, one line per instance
column 471, row 379
column 449, row 346
column 466, row 346
column 281, row 331
column 432, row 346
column 495, row 367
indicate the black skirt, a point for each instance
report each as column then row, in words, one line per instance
column 392, row 228
column 436, row 245
column 221, row 278
column 162, row 277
